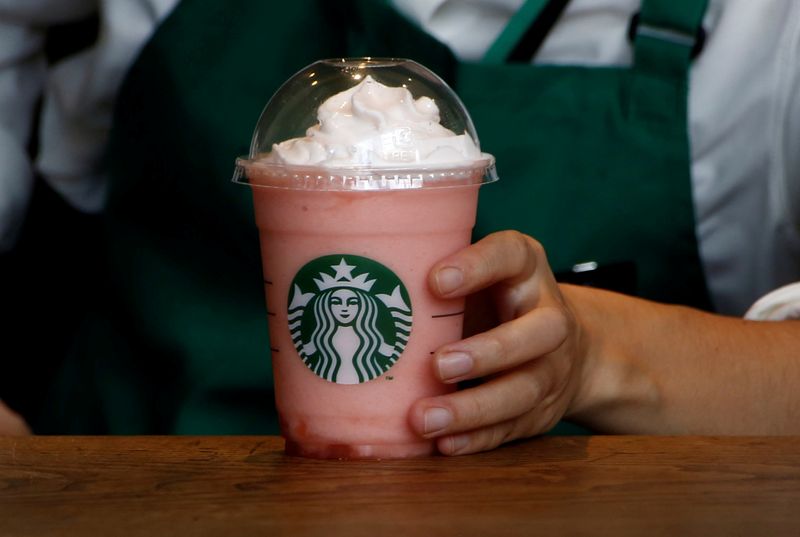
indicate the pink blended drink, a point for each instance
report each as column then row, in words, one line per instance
column 352, row 216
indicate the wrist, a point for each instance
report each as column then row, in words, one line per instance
column 615, row 394
column 589, row 341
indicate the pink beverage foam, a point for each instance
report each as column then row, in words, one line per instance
column 405, row 230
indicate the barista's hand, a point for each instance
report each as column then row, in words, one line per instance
column 528, row 348
column 11, row 423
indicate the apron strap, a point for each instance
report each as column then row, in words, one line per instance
column 666, row 35
column 525, row 32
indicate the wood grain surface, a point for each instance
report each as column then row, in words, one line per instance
column 600, row 485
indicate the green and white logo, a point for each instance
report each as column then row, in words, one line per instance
column 349, row 316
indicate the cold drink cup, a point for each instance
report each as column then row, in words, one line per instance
column 346, row 253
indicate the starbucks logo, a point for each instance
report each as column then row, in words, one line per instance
column 349, row 316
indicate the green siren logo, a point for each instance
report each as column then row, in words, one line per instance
column 349, row 317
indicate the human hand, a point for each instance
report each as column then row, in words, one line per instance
column 528, row 348
column 11, row 423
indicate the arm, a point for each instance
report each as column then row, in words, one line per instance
column 612, row 362
column 653, row 368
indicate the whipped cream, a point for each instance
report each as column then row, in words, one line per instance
column 377, row 126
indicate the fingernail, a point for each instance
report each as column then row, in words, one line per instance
column 449, row 279
column 457, row 443
column 454, row 365
column 437, row 419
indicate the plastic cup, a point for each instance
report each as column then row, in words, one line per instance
column 346, row 254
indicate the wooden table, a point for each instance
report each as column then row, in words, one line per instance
column 552, row 486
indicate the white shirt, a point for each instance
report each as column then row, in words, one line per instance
column 77, row 99
column 744, row 109
column 744, row 115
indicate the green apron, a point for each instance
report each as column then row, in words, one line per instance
column 594, row 162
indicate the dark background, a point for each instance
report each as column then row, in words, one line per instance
column 54, row 274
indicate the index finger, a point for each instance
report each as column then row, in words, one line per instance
column 507, row 256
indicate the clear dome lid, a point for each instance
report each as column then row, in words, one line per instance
column 364, row 124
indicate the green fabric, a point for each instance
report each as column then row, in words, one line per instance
column 683, row 16
column 656, row 54
column 182, row 346
column 593, row 162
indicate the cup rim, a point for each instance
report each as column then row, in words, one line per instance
column 365, row 179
